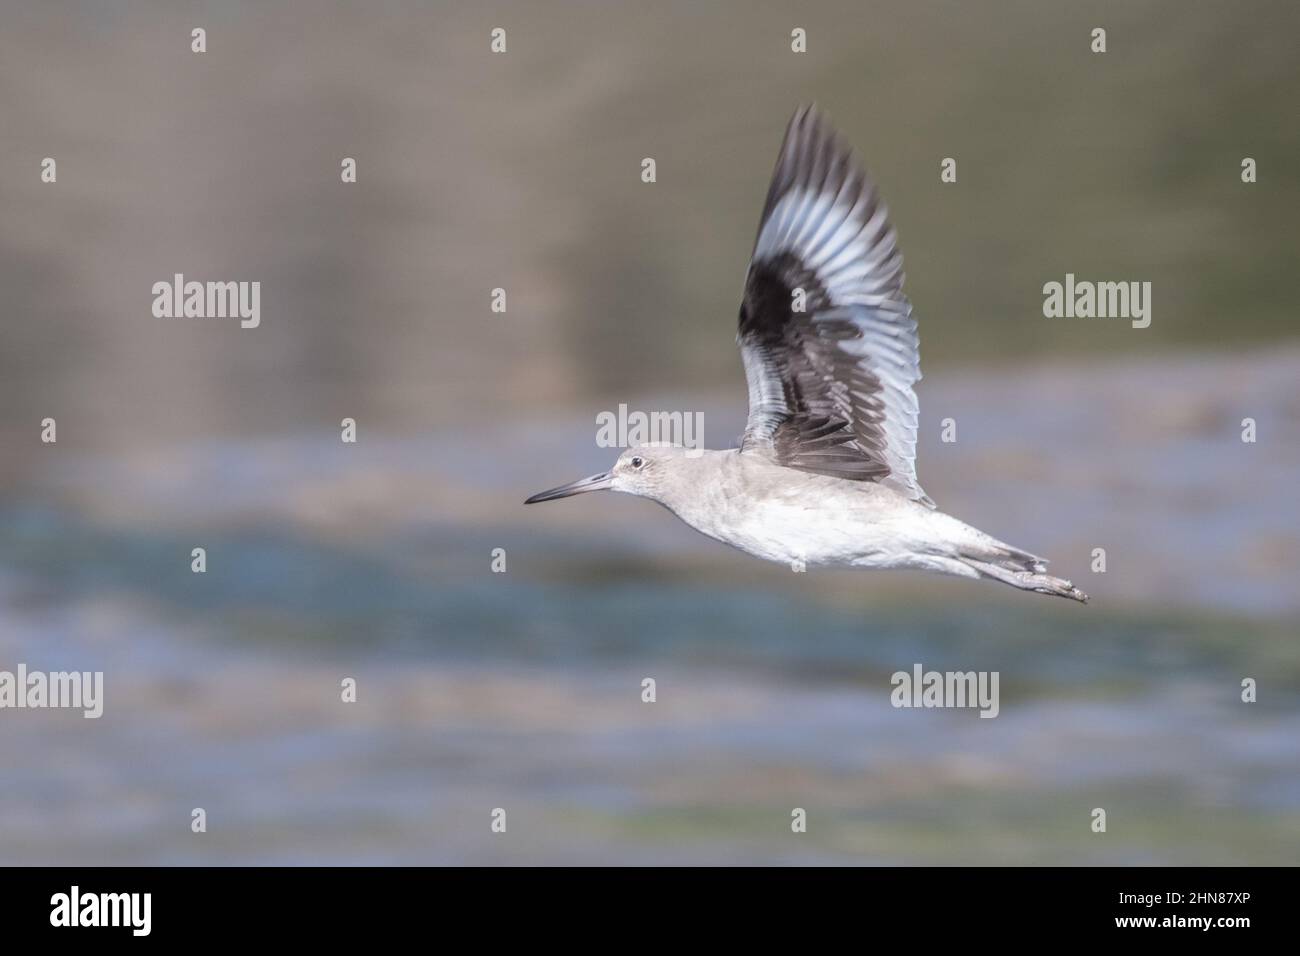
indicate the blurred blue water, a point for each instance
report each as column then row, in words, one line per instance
column 522, row 689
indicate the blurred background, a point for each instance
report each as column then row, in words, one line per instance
column 521, row 690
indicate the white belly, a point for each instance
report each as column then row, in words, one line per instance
column 825, row 522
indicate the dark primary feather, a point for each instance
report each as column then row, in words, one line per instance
column 830, row 386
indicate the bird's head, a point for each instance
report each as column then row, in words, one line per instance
column 642, row 470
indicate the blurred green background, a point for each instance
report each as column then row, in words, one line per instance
column 522, row 689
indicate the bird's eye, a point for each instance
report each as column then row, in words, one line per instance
column 637, row 461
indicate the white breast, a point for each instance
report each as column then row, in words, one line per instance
column 788, row 516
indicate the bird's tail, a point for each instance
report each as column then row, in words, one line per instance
column 1021, row 570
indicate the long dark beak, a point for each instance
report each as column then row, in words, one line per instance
column 594, row 483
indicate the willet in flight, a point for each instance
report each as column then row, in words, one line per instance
column 825, row 472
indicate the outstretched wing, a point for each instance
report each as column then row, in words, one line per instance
column 826, row 334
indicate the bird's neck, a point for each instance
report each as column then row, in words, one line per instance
column 694, row 479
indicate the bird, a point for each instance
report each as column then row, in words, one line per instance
column 825, row 471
